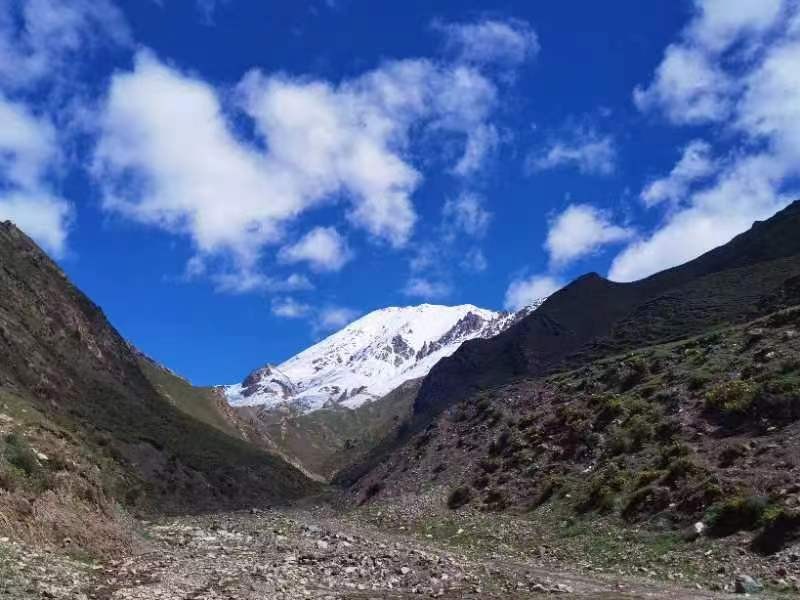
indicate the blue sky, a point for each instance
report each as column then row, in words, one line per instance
column 232, row 180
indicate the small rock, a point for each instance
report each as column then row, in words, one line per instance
column 745, row 584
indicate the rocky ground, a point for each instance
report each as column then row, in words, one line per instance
column 319, row 553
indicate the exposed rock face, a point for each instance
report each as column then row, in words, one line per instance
column 268, row 380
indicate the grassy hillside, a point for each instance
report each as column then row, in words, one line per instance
column 203, row 403
column 703, row 429
column 61, row 357
column 754, row 274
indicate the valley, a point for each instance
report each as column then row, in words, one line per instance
column 647, row 448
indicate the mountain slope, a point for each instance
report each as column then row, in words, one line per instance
column 703, row 429
column 593, row 317
column 59, row 353
column 369, row 358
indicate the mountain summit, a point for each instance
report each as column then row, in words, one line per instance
column 370, row 357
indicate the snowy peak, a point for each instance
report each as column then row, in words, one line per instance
column 369, row 357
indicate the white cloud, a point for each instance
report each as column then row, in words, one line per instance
column 491, row 41
column 208, row 8
column 320, row 142
column 466, row 214
column 322, row 247
column 475, row 261
column 688, row 87
column 583, row 148
column 695, row 164
column 523, row 292
column 420, row 287
column 481, row 142
column 580, row 230
column 759, row 97
column 289, row 308
column 745, row 192
column 46, row 39
column 44, row 218
column 27, row 145
column 246, row 281
column 28, row 151
column 691, row 84
column 770, row 107
column 719, row 23
column 332, row 318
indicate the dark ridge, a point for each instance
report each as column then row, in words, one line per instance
column 593, row 316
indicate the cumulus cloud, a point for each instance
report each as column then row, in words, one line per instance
column 426, row 289
column 332, row 318
column 695, row 164
column 525, row 291
column 720, row 23
column 244, row 282
column 466, row 214
column 691, row 85
column 322, row 248
column 28, row 151
column 745, row 192
column 759, row 99
column 44, row 218
column 688, row 87
column 320, row 142
column 490, row 41
column 481, row 143
column 582, row 148
column 289, row 308
column 45, row 39
column 580, row 230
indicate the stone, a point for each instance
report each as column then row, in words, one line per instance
column 745, row 584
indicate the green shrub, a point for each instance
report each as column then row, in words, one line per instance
column 495, row 500
column 603, row 490
column 635, row 369
column 489, row 466
column 640, row 431
column 680, row 469
column 732, row 397
column 481, row 482
column 459, row 497
column 20, row 455
column 781, row 527
column 373, row 490
column 546, row 490
column 698, row 381
column 741, row 513
column 608, row 407
column 731, row 454
column 11, row 478
column 645, row 478
column 649, row 499
column 500, row 443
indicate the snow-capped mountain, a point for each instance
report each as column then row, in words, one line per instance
column 369, row 358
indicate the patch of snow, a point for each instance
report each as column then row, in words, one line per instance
column 370, row 357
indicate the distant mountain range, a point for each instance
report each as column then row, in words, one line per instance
column 369, row 358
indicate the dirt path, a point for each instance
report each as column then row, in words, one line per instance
column 297, row 554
